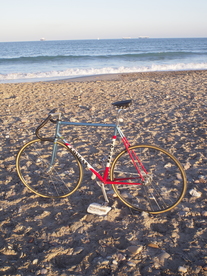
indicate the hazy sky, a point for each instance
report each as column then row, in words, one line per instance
column 25, row 20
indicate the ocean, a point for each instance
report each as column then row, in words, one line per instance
column 54, row 60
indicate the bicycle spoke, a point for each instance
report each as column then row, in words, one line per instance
column 46, row 179
column 62, row 181
column 49, row 171
column 159, row 190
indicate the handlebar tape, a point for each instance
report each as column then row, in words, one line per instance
column 41, row 126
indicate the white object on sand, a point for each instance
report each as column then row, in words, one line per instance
column 98, row 209
column 195, row 193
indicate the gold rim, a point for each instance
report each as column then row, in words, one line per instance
column 30, row 188
column 168, row 154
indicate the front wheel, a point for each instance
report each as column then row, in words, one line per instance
column 51, row 179
column 153, row 180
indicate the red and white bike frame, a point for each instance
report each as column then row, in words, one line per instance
column 105, row 177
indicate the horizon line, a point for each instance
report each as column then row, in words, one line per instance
column 121, row 38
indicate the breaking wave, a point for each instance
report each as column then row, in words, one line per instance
column 75, row 72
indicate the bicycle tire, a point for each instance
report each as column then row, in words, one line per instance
column 164, row 184
column 60, row 180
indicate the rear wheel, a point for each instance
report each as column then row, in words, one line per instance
column 160, row 185
column 57, row 180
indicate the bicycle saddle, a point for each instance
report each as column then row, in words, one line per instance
column 122, row 104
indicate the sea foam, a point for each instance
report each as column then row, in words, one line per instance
column 70, row 73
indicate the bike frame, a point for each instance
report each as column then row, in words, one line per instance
column 105, row 178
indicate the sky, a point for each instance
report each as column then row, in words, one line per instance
column 30, row 20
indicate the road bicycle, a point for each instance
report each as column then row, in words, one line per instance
column 144, row 177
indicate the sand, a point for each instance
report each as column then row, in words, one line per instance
column 58, row 237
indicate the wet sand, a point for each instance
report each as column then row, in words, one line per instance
column 58, row 237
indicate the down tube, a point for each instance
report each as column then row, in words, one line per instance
column 83, row 160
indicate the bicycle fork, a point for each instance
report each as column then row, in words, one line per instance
column 55, row 146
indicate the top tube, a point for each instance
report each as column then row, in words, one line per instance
column 87, row 124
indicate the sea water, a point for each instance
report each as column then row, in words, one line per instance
column 53, row 60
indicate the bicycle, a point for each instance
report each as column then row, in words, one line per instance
column 144, row 177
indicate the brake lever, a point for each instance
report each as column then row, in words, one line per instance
column 54, row 112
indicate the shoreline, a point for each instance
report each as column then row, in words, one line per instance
column 118, row 76
column 103, row 77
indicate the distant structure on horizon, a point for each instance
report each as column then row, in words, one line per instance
column 140, row 37
column 42, row 39
column 143, row 37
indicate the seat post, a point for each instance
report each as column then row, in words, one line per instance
column 118, row 116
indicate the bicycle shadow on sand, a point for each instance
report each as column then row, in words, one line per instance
column 61, row 237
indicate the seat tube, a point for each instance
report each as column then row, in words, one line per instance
column 108, row 164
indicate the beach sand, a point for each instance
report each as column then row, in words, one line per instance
column 58, row 237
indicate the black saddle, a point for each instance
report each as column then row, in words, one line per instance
column 122, row 104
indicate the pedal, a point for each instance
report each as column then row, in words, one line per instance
column 98, row 209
